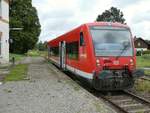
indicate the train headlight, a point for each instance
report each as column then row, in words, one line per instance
column 97, row 62
column 131, row 62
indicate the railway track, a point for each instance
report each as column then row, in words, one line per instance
column 145, row 78
column 123, row 101
column 127, row 102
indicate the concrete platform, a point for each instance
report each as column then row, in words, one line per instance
column 47, row 91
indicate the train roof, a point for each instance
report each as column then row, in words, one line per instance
column 117, row 24
column 114, row 24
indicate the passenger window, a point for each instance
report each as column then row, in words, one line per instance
column 73, row 50
column 54, row 51
column 82, row 43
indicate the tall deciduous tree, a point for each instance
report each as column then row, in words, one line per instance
column 111, row 15
column 23, row 15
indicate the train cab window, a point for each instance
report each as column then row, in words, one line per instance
column 82, row 43
column 73, row 50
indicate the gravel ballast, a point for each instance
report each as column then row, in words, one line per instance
column 47, row 90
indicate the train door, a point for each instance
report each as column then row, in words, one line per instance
column 62, row 54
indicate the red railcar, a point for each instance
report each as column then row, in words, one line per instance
column 101, row 52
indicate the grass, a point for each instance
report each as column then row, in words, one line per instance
column 17, row 57
column 17, row 73
column 143, row 86
column 35, row 53
column 143, row 61
column 32, row 53
column 147, row 72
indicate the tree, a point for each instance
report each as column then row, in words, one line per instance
column 23, row 15
column 111, row 15
column 41, row 46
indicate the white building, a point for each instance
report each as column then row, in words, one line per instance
column 4, row 31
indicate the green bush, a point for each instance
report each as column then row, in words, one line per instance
column 146, row 52
column 138, row 53
column 33, row 53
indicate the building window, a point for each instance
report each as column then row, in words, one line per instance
column 54, row 51
column 73, row 50
column 139, row 44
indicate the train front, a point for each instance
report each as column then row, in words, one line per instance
column 115, row 58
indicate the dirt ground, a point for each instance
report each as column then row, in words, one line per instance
column 47, row 91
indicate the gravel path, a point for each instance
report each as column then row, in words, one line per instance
column 47, row 91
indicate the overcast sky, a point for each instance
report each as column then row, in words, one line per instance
column 60, row 16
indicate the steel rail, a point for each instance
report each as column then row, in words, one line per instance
column 143, row 100
column 145, row 78
column 114, row 104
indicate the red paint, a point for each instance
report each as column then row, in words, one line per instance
column 87, row 60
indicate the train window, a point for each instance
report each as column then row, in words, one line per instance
column 73, row 50
column 54, row 51
column 112, row 41
column 82, row 39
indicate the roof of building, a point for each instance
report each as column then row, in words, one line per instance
column 146, row 41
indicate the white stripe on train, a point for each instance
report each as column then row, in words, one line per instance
column 75, row 71
column 79, row 72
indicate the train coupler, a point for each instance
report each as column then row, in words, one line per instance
column 111, row 80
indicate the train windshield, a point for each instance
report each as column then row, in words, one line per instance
column 111, row 41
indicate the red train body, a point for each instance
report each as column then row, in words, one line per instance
column 102, row 52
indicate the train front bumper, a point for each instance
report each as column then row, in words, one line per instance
column 115, row 80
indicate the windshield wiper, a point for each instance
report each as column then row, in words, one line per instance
column 125, row 48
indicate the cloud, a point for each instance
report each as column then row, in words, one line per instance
column 86, row 6
column 125, row 3
column 138, row 16
column 141, row 17
column 142, row 29
column 60, row 16
column 55, row 17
